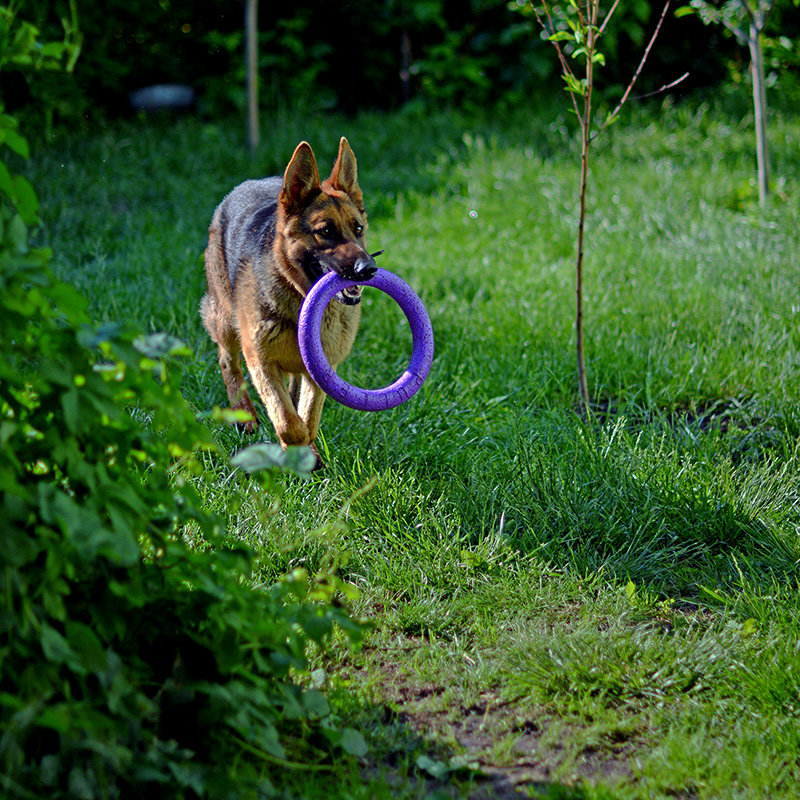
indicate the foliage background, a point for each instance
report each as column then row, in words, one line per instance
column 349, row 56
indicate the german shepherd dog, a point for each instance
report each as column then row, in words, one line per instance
column 269, row 241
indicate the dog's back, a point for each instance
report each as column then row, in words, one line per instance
column 246, row 217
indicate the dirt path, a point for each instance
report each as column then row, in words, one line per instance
column 493, row 749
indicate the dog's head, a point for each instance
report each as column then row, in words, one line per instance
column 322, row 225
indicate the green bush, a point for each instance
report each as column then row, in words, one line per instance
column 378, row 54
column 131, row 663
column 128, row 658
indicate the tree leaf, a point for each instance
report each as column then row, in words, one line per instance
column 315, row 704
column 160, row 345
column 300, row 459
column 257, row 457
column 353, row 742
column 232, row 416
column 267, row 455
column 55, row 647
column 438, row 769
column 25, row 200
column 16, row 234
column 18, row 143
column 86, row 646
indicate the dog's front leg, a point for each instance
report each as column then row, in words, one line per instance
column 235, row 386
column 270, row 382
column 310, row 405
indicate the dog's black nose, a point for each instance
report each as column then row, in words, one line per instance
column 365, row 268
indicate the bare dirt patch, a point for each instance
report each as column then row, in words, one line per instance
column 496, row 749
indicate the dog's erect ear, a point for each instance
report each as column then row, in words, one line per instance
column 344, row 175
column 301, row 179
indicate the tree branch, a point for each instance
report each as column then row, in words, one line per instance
column 608, row 17
column 663, row 88
column 561, row 57
column 638, row 71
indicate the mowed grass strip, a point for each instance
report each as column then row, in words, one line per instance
column 587, row 608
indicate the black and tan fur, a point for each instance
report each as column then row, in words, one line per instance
column 269, row 241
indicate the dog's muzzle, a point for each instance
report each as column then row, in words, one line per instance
column 363, row 269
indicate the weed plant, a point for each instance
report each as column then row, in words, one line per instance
column 615, row 597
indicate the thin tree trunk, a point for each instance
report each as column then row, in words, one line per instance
column 251, row 67
column 583, row 384
column 405, row 65
column 760, row 111
column 586, row 138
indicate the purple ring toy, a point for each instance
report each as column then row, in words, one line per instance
column 320, row 370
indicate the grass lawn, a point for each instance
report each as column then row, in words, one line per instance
column 562, row 608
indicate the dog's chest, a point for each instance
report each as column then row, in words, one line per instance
column 338, row 330
column 278, row 337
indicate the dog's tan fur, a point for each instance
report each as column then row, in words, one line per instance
column 268, row 242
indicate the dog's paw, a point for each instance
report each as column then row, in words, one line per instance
column 251, row 425
column 320, row 464
column 293, row 431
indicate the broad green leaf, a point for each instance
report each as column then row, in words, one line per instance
column 315, row 704
column 354, row 743
column 716, row 594
column 232, row 416
column 70, row 403
column 16, row 234
column 438, row 769
column 69, row 301
column 16, row 142
column 80, row 785
column 25, row 200
column 258, row 457
column 317, row 627
column 300, row 459
column 60, row 717
column 267, row 455
column 270, row 741
column 94, row 337
column 6, row 182
column 86, row 646
column 473, row 560
column 749, row 627
column 55, row 646
column 53, row 50
column 160, row 345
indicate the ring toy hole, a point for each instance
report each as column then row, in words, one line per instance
column 320, row 370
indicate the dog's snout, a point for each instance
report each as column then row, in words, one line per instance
column 365, row 268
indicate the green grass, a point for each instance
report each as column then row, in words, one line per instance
column 578, row 609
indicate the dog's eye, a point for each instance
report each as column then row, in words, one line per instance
column 359, row 230
column 326, row 231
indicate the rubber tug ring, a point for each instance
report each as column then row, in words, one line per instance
column 320, row 370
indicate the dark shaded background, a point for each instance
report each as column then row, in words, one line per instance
column 351, row 56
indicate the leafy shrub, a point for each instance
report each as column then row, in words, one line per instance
column 377, row 54
column 131, row 664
